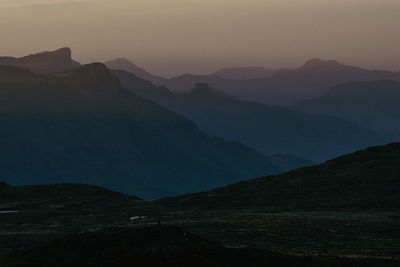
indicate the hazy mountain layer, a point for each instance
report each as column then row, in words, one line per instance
column 82, row 126
column 375, row 105
column 270, row 129
column 282, row 87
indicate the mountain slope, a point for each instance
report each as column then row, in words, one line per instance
column 244, row 73
column 367, row 180
column 270, row 129
column 126, row 65
column 45, row 62
column 81, row 126
column 375, row 105
column 312, row 79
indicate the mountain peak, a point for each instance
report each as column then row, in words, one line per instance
column 128, row 66
column 61, row 55
column 63, row 52
column 122, row 59
column 44, row 62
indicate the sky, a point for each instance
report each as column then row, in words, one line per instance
column 170, row 37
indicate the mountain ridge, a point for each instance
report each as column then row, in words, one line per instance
column 372, row 104
column 270, row 129
column 81, row 125
column 44, row 62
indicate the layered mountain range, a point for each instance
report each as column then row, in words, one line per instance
column 270, row 129
column 81, row 125
column 279, row 87
column 85, row 124
column 375, row 105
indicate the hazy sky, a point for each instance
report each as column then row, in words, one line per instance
column 173, row 36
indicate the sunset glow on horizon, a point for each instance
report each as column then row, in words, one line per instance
column 177, row 36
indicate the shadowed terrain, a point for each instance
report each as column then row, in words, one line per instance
column 348, row 207
column 81, row 126
column 162, row 246
column 375, row 105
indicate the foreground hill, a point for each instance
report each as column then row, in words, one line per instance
column 375, row 105
column 44, row 62
column 367, row 180
column 82, row 126
column 161, row 246
column 347, row 207
column 270, row 129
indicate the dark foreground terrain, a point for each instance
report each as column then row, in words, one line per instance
column 344, row 212
column 161, row 246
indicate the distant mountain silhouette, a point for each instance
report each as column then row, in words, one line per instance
column 126, row 65
column 81, row 126
column 246, row 73
column 375, row 105
column 270, row 129
column 44, row 62
column 312, row 79
column 367, row 180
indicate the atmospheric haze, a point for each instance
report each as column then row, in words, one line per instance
column 170, row 37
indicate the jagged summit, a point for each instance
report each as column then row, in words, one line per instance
column 44, row 62
column 61, row 53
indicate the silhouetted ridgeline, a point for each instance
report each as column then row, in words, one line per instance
column 375, row 105
column 270, row 129
column 80, row 125
column 282, row 87
column 367, row 180
column 345, row 207
column 44, row 62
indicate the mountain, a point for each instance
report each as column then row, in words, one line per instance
column 375, row 105
column 343, row 210
column 278, row 87
column 270, row 129
column 245, row 73
column 81, row 126
column 367, row 180
column 312, row 79
column 347, row 206
column 126, row 65
column 45, row 62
